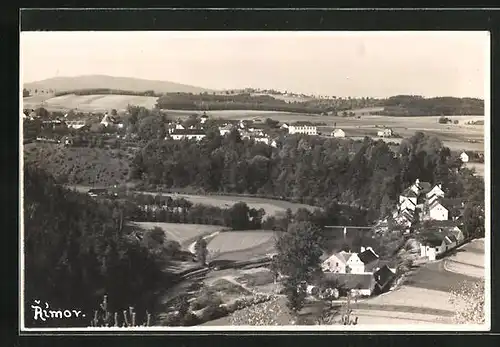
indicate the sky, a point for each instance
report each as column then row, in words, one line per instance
column 356, row 64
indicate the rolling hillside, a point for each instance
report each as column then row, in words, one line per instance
column 60, row 84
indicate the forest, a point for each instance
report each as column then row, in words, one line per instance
column 77, row 249
column 407, row 105
column 304, row 169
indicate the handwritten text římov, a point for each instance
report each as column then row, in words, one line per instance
column 44, row 314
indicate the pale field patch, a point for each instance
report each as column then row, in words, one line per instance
column 376, row 317
column 479, row 167
column 233, row 241
column 180, row 232
column 414, row 297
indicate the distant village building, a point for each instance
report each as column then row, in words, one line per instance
column 76, row 124
column 203, row 118
column 189, row 134
column 225, row 129
column 387, row 132
column 303, row 128
column 338, row 133
column 108, row 120
column 284, row 126
column 464, row 157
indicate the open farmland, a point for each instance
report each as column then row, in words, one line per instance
column 182, row 233
column 97, row 102
column 241, row 245
column 479, row 167
column 270, row 206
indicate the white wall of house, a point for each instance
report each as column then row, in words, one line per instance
column 438, row 212
column 333, row 264
column 355, row 264
column 464, row 157
column 338, row 133
column 302, row 129
column 223, row 132
column 428, row 251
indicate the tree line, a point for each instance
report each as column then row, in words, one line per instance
column 408, row 105
column 311, row 170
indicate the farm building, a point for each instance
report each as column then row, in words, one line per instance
column 383, row 278
column 179, row 127
column 75, row 124
column 362, row 284
column 436, row 243
column 303, row 128
column 284, row 126
column 437, row 211
column 338, row 133
column 347, row 262
column 188, row 134
column 464, row 157
column 387, row 132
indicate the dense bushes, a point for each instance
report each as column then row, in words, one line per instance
column 76, row 250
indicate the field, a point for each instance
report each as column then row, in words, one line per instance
column 478, row 166
column 92, row 103
column 271, row 207
column 182, row 233
column 82, row 165
column 470, row 261
column 241, row 245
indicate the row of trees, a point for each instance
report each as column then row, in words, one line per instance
column 311, row 170
column 418, row 106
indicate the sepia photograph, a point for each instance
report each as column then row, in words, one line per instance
column 254, row 180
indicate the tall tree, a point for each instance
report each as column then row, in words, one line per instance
column 298, row 259
column 201, row 250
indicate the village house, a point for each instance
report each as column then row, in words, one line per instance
column 435, row 192
column 109, row 120
column 284, row 126
column 383, row 279
column 387, row 132
column 303, row 128
column 189, row 134
column 76, row 124
column 359, row 284
column 338, row 133
column 464, row 157
column 225, row 129
column 436, row 243
column 347, row 262
column 203, row 118
column 436, row 211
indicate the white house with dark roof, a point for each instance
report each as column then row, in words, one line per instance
column 189, row 134
column 339, row 133
column 225, row 129
column 203, row 118
column 437, row 211
column 464, row 157
column 436, row 191
column 303, row 128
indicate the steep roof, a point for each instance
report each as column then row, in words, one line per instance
column 368, row 256
column 349, row 281
column 383, row 276
column 425, row 187
column 435, row 203
column 344, row 256
column 409, row 193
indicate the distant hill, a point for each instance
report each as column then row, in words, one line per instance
column 61, row 84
